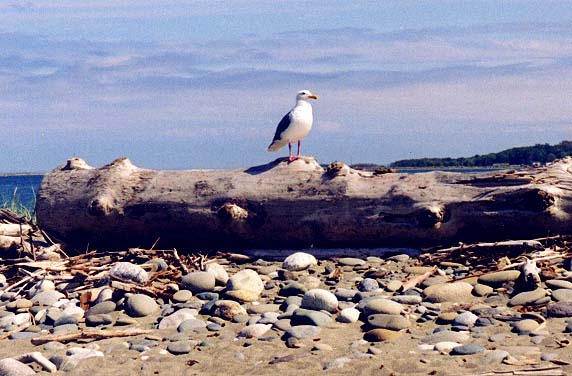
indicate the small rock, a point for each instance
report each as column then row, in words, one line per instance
column 174, row 320
column 219, row 272
column 12, row 367
column 304, row 331
column 469, row 349
column 466, row 319
column 129, row 272
column 179, row 348
column 351, row 261
column 525, row 326
column 498, row 278
column 243, row 295
column 381, row 335
column 482, row 290
column 393, row 285
column 198, row 282
column 407, row 299
column 293, row 288
column 228, row 309
column 140, row 305
column 446, row 346
column 254, row 331
column 47, row 298
column 348, row 315
column 368, row 284
column 374, row 306
column 99, row 319
column 558, row 284
column 527, row 297
column 446, row 336
column 495, row 356
column 246, row 279
column 562, row 295
column 449, row 292
column 560, row 309
column 310, row 317
column 182, row 296
column 319, row 299
column 191, row 324
column 299, row 261
column 391, row 322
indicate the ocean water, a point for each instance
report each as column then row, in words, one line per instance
column 22, row 188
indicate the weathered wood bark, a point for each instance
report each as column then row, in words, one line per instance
column 300, row 204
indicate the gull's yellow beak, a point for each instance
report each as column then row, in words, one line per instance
column 313, row 96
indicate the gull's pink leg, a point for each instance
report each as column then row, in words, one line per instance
column 290, row 157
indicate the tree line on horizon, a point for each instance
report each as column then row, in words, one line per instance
column 527, row 155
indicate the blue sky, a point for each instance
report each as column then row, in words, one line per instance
column 177, row 84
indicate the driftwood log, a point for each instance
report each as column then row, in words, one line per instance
column 299, row 204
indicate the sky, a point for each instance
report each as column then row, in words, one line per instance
column 175, row 84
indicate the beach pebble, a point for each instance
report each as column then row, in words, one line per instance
column 319, row 299
column 407, row 299
column 299, row 261
column 129, row 272
column 446, row 346
column 47, row 298
column 498, row 278
column 198, row 282
column 191, row 324
column 337, row 363
column 174, row 320
column 246, row 279
column 80, row 353
column 449, row 292
column 446, row 336
column 293, row 288
column 254, row 331
column 310, row 317
column 345, row 294
column 351, row 261
column 527, row 297
column 348, row 315
column 525, row 326
column 140, row 305
column 562, row 295
column 99, row 319
column 391, row 322
column 179, row 347
column 13, row 367
column 219, row 272
column 482, row 290
column 243, row 295
column 495, row 356
column 182, row 296
column 373, row 306
column 558, row 284
column 469, row 349
column 393, row 285
column 368, row 284
column 560, row 309
column 107, row 306
column 304, row 331
column 465, row 319
column 228, row 309
column 381, row 335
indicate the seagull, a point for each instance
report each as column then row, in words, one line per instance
column 295, row 125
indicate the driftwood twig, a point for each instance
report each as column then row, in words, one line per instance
column 90, row 334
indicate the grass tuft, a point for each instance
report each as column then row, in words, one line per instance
column 15, row 204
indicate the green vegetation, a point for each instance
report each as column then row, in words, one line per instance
column 14, row 204
column 527, row 155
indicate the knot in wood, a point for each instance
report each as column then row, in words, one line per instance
column 384, row 170
column 76, row 164
column 99, row 207
column 232, row 213
column 337, row 169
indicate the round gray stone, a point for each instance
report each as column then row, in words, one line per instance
column 559, row 284
column 139, row 305
column 246, row 279
column 525, row 326
column 465, row 319
column 562, row 295
column 449, row 292
column 319, row 299
column 368, row 284
column 191, row 324
column 309, row 317
column 182, row 296
column 12, row 367
column 99, row 319
column 198, row 282
column 179, row 348
column 374, row 306
column 560, row 309
column 348, row 315
column 129, row 272
column 471, row 348
column 527, row 298
column 299, row 261
column 107, row 306
column 304, row 331
column 498, row 278
column 391, row 322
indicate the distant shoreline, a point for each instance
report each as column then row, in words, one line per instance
column 6, row 174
